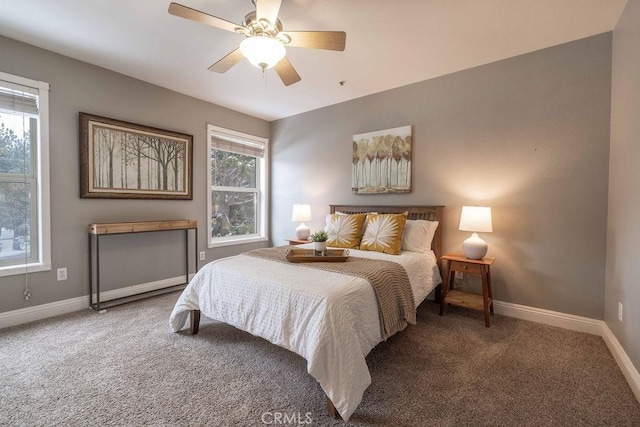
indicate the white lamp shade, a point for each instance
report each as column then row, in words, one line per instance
column 263, row 52
column 476, row 218
column 301, row 213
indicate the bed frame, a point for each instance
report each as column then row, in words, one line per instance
column 429, row 213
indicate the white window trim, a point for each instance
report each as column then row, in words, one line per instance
column 262, row 227
column 44, row 217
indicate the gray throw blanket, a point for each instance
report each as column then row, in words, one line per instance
column 390, row 282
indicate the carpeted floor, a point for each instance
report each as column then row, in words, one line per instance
column 127, row 368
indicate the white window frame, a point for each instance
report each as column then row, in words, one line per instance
column 41, row 158
column 261, row 192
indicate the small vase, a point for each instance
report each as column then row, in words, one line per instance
column 320, row 248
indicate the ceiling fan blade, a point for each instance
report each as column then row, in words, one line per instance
column 287, row 73
column 201, row 17
column 268, row 9
column 227, row 62
column 329, row 40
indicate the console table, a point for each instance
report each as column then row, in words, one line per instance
column 98, row 231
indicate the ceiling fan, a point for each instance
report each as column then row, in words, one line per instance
column 264, row 45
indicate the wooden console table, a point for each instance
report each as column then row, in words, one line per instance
column 98, row 230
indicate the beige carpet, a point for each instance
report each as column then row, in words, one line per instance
column 127, row 368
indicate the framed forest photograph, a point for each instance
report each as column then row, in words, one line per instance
column 121, row 160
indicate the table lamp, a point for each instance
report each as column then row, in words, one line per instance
column 475, row 219
column 301, row 213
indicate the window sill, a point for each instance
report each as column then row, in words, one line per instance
column 237, row 242
column 23, row 269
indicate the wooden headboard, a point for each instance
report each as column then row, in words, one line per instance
column 429, row 213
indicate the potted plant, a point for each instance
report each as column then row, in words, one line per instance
column 320, row 238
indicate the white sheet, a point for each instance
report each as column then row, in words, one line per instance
column 330, row 319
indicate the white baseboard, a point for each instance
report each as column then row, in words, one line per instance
column 138, row 289
column 548, row 317
column 628, row 370
column 29, row 314
column 43, row 311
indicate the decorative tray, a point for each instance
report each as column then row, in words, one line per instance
column 310, row 255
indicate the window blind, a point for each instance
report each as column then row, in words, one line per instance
column 18, row 98
column 237, row 146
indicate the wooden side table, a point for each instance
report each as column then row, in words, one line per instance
column 294, row 241
column 481, row 267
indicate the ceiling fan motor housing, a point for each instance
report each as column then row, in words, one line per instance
column 260, row 27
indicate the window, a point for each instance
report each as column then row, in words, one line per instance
column 24, row 171
column 237, row 200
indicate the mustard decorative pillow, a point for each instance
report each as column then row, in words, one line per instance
column 384, row 233
column 344, row 231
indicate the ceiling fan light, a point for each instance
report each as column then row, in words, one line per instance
column 263, row 52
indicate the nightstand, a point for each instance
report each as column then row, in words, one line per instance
column 480, row 267
column 294, row 241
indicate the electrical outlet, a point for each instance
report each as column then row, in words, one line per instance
column 62, row 274
column 620, row 311
column 459, row 275
column 202, row 256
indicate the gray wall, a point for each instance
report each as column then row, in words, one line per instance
column 75, row 87
column 528, row 136
column 624, row 181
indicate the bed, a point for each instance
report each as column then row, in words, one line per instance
column 329, row 318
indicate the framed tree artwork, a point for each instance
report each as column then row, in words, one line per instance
column 381, row 162
column 121, row 160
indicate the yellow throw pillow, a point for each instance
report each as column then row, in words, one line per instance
column 344, row 231
column 384, row 233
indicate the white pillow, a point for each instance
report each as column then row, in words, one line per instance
column 418, row 235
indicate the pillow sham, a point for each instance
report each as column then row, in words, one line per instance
column 418, row 235
column 383, row 233
column 345, row 231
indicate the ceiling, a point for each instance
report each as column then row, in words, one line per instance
column 389, row 43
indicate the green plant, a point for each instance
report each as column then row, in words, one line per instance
column 320, row 236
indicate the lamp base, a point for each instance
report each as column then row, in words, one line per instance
column 302, row 232
column 474, row 247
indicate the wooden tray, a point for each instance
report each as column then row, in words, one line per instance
column 308, row 255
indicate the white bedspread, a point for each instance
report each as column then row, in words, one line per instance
column 330, row 319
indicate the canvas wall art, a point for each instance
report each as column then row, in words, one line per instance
column 127, row 161
column 381, row 161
